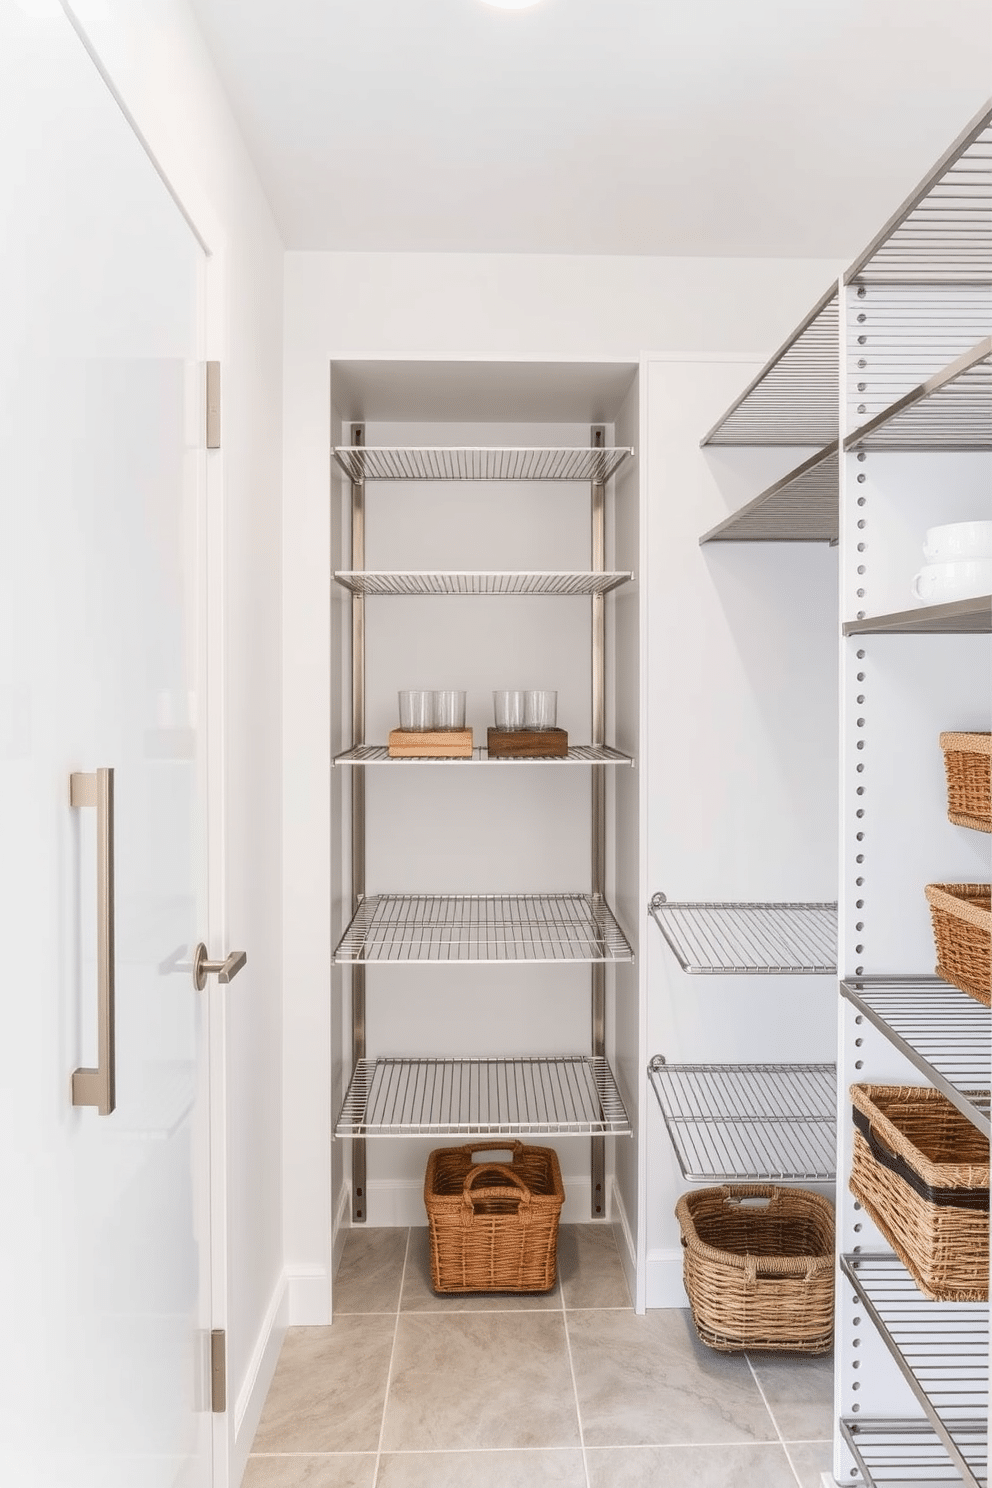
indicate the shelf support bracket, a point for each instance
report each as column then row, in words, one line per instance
column 359, row 1182
column 598, row 805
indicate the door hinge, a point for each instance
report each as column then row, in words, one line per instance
column 218, row 1371
column 213, row 405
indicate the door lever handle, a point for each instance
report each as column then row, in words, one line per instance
column 225, row 970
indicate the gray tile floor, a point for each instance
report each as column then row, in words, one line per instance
column 567, row 1390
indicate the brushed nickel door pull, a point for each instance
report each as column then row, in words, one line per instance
column 97, row 1087
column 225, row 970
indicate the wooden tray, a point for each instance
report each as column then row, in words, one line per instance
column 527, row 743
column 438, row 744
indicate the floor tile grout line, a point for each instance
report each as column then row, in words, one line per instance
column 772, row 1418
column 575, row 1390
column 392, row 1358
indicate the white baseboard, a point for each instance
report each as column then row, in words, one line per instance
column 400, row 1202
column 626, row 1244
column 309, row 1296
column 339, row 1229
column 665, row 1287
column 258, row 1377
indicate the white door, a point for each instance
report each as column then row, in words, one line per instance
column 104, row 1239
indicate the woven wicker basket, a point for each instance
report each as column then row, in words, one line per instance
column 760, row 1275
column 968, row 763
column 921, row 1170
column 962, row 930
column 493, row 1226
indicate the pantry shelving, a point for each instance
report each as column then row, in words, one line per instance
column 410, row 585
column 749, row 1122
column 952, row 410
column 801, row 507
column 749, row 939
column 578, row 754
column 910, row 1454
column 596, row 464
column 958, row 617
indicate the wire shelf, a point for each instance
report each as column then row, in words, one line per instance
column 950, row 411
column 483, row 928
column 365, row 463
column 910, row 1454
column 793, row 399
column 750, row 939
column 578, row 754
column 802, row 507
column 960, row 617
column 561, row 584
column 941, row 1348
column 943, row 1032
column 943, row 233
column 567, row 1094
column 754, row 1122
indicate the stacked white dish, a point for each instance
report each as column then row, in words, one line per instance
column 959, row 563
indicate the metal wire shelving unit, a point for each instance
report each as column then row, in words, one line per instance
column 952, row 410
column 942, row 1351
column 482, row 928
column 595, row 464
column 749, row 1122
column 959, row 617
column 560, row 584
column 749, row 939
column 571, row 1095
column 910, row 1454
column 943, row 1032
column 801, row 507
column 578, row 754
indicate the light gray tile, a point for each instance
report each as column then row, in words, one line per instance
column 371, row 1271
column 344, row 1471
column 480, row 1380
column 419, row 1295
column 589, row 1268
column 678, row 1467
column 482, row 1470
column 329, row 1388
column 648, row 1381
column 811, row 1460
column 799, row 1389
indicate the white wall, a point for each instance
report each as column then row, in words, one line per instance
column 482, row 307
column 157, row 62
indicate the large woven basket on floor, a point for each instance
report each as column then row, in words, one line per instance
column 758, row 1263
column 968, row 764
column 962, row 931
column 921, row 1170
column 493, row 1225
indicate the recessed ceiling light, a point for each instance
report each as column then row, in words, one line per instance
column 512, row 4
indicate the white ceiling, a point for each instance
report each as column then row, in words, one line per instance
column 704, row 127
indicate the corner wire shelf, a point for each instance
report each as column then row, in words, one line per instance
column 802, row 507
column 567, row 1094
column 752, row 1122
column 910, row 1454
column 569, row 584
column 944, row 1033
column 942, row 1351
column 959, row 617
column 578, row 754
column 950, row 411
column 392, row 463
column 483, row 928
column 943, row 233
column 793, row 399
column 749, row 939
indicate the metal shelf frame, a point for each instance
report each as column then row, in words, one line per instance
column 559, row 584
column 486, row 929
column 595, row 464
column 952, row 410
column 566, row 1094
column 723, row 939
column 793, row 399
column 749, row 1122
column 801, row 507
column 941, row 1349
column 910, row 1454
column 959, row 617
column 578, row 754
column 944, row 1033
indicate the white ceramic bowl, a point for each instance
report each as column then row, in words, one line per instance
column 958, row 540
column 938, row 583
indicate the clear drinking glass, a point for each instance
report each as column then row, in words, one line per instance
column 540, row 710
column 449, row 709
column 416, row 711
column 508, row 708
